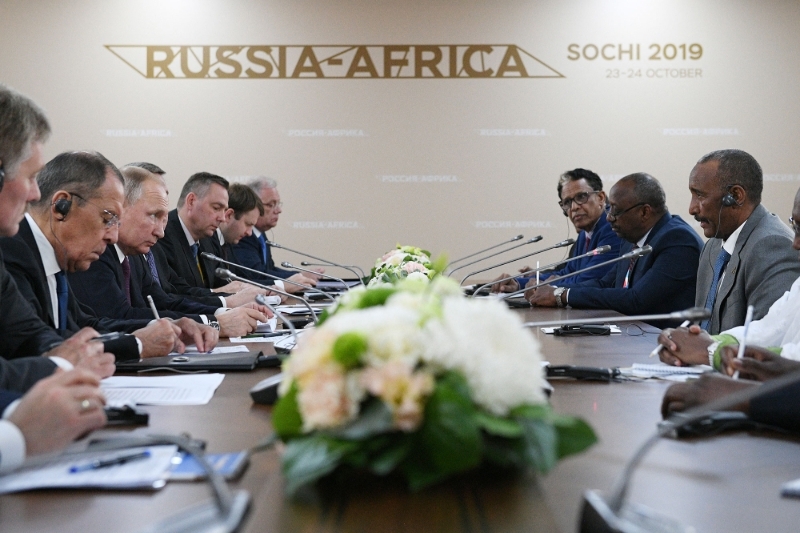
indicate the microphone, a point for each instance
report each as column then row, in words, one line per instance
column 451, row 263
column 597, row 251
column 566, row 242
column 599, row 514
column 529, row 241
column 644, row 250
column 693, row 314
column 263, row 301
column 227, row 274
column 213, row 257
column 276, row 245
column 287, row 264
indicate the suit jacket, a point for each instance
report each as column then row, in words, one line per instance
column 24, row 263
column 602, row 235
column 101, row 288
column 180, row 258
column 7, row 398
column 762, row 267
column 779, row 408
column 662, row 281
column 248, row 251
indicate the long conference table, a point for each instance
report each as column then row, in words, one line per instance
column 726, row 483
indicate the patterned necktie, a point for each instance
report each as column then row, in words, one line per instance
column 263, row 240
column 629, row 275
column 62, row 294
column 719, row 268
column 151, row 262
column 126, row 278
column 195, row 250
column 586, row 244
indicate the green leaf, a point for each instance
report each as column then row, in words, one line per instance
column 307, row 459
column 574, row 436
column 495, row 425
column 348, row 349
column 504, row 452
column 449, row 435
column 387, row 460
column 439, row 264
column 541, row 443
column 286, row 418
column 375, row 297
column 375, row 418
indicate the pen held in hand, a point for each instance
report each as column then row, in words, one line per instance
column 153, row 306
column 657, row 349
column 747, row 319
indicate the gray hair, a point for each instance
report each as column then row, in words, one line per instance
column 150, row 167
column 22, row 122
column 79, row 173
column 737, row 167
column 135, row 177
column 259, row 183
column 199, row 184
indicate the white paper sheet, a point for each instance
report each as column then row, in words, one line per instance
column 193, row 389
column 192, row 350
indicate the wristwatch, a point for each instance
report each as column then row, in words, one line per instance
column 557, row 293
column 214, row 324
column 712, row 349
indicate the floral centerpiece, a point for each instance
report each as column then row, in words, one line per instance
column 417, row 380
column 404, row 262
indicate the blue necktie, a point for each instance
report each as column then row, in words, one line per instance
column 263, row 240
column 719, row 268
column 62, row 294
column 195, row 250
column 151, row 262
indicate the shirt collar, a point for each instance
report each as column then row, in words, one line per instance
column 643, row 240
column 256, row 233
column 120, row 255
column 186, row 232
column 729, row 245
column 49, row 261
column 221, row 237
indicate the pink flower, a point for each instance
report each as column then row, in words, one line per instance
column 401, row 389
column 328, row 398
column 412, row 266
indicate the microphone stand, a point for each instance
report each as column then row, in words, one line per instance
column 276, row 278
column 599, row 515
column 644, row 250
column 276, row 245
column 566, row 242
column 287, row 264
column 597, row 251
column 263, row 301
column 693, row 314
column 227, row 274
column 451, row 263
column 346, row 267
column 529, row 241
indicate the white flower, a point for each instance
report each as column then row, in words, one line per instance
column 418, row 277
column 329, row 397
column 485, row 341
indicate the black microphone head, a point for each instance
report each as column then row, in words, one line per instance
column 224, row 273
column 209, row 256
column 693, row 314
column 272, row 243
column 565, row 242
column 518, row 237
column 536, row 239
column 644, row 250
column 287, row 264
column 305, row 263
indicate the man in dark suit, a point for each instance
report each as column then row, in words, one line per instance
column 118, row 284
column 581, row 198
column 660, row 282
column 253, row 250
column 66, row 230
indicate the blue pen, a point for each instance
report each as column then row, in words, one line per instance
column 106, row 463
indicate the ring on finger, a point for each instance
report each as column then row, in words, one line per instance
column 85, row 404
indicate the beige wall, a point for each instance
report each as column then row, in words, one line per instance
column 451, row 164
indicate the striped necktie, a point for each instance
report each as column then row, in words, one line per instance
column 62, row 294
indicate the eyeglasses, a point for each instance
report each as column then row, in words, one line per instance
column 580, row 199
column 272, row 206
column 795, row 225
column 615, row 214
column 109, row 219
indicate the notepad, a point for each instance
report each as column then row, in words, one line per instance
column 664, row 371
column 194, row 389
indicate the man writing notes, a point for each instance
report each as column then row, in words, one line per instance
column 254, row 251
column 582, row 199
column 117, row 285
column 660, row 282
column 60, row 408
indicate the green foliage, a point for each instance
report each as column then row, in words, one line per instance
column 375, row 297
column 286, row 417
column 439, row 264
column 348, row 349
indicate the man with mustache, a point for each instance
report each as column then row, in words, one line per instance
column 660, row 282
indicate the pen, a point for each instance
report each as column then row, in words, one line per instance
column 747, row 319
column 657, row 349
column 153, row 306
column 537, row 272
column 106, row 463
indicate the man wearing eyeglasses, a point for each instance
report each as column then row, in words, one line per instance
column 66, row 230
column 254, row 250
column 660, row 282
column 581, row 198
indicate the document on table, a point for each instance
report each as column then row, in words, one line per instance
column 149, row 473
column 192, row 350
column 614, row 330
column 664, row 371
column 268, row 326
column 193, row 389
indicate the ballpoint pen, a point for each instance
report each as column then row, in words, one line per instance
column 106, row 463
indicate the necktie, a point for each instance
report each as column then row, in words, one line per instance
column 719, row 268
column 62, row 294
column 586, row 244
column 195, row 250
column 126, row 276
column 629, row 275
column 151, row 262
column 263, row 240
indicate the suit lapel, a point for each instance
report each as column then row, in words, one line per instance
column 40, row 287
column 733, row 265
